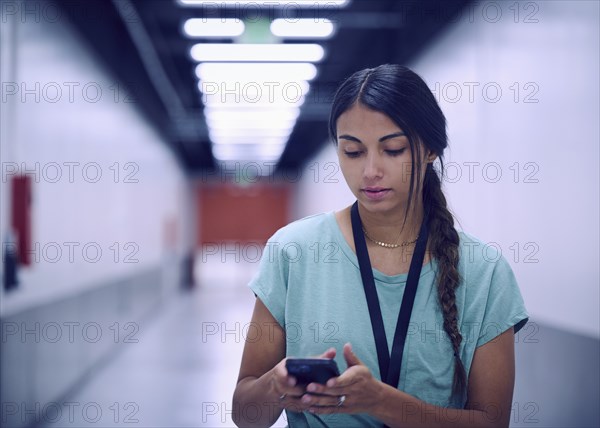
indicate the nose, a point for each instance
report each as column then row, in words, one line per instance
column 373, row 167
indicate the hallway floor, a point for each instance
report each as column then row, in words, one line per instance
column 180, row 373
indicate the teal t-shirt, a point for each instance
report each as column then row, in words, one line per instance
column 310, row 281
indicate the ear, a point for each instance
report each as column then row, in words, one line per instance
column 431, row 156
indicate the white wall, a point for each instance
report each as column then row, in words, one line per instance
column 50, row 127
column 547, row 130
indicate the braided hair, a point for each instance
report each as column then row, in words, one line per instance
column 404, row 97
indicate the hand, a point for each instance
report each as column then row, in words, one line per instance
column 361, row 392
column 286, row 387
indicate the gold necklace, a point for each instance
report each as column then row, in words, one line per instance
column 385, row 244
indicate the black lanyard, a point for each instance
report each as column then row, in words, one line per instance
column 389, row 367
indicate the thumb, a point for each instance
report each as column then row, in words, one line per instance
column 350, row 356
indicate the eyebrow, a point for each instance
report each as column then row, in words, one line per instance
column 381, row 140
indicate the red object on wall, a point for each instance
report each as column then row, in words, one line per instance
column 243, row 214
column 21, row 216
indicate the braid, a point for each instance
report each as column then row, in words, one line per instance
column 444, row 243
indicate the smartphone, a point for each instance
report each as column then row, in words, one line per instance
column 307, row 370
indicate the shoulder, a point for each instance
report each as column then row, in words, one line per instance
column 483, row 266
column 307, row 229
column 476, row 254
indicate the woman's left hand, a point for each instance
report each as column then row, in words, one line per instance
column 354, row 391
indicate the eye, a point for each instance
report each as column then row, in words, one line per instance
column 395, row 152
column 352, row 154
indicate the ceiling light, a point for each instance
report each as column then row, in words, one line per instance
column 213, row 27
column 258, row 93
column 212, row 71
column 248, row 124
column 245, row 132
column 255, row 152
column 266, row 3
column 254, row 88
column 302, row 28
column 278, row 101
column 233, row 116
column 296, row 52
column 245, row 141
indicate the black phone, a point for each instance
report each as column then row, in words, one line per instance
column 307, row 370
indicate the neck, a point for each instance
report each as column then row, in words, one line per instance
column 388, row 226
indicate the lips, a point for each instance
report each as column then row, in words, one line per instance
column 376, row 193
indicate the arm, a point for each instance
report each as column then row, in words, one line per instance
column 490, row 389
column 255, row 388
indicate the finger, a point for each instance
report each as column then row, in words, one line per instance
column 280, row 369
column 350, row 356
column 294, row 403
column 350, row 376
column 330, row 353
column 283, row 379
column 341, row 405
column 312, row 400
column 291, row 395
column 288, row 386
column 285, row 383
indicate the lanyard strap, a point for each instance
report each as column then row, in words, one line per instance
column 390, row 372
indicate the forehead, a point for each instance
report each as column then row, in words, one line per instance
column 362, row 120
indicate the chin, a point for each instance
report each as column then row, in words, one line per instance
column 382, row 205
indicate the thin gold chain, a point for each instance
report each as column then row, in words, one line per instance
column 385, row 244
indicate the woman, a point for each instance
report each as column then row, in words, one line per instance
column 453, row 363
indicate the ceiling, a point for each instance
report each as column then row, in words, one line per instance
column 142, row 44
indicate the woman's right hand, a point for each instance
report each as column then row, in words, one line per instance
column 263, row 381
column 285, row 385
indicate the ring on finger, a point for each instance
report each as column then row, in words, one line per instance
column 281, row 397
column 341, row 401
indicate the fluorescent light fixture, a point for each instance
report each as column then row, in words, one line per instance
column 264, row 124
column 230, row 163
column 265, row 127
column 213, row 27
column 215, row 71
column 266, row 3
column 216, row 100
column 248, row 148
column 248, row 109
column 302, row 28
column 258, row 93
column 247, row 152
column 245, row 141
column 267, row 52
column 250, row 89
column 252, row 115
column 245, row 132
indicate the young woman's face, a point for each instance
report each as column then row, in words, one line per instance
column 375, row 158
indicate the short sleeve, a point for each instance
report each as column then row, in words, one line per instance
column 269, row 284
column 504, row 307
